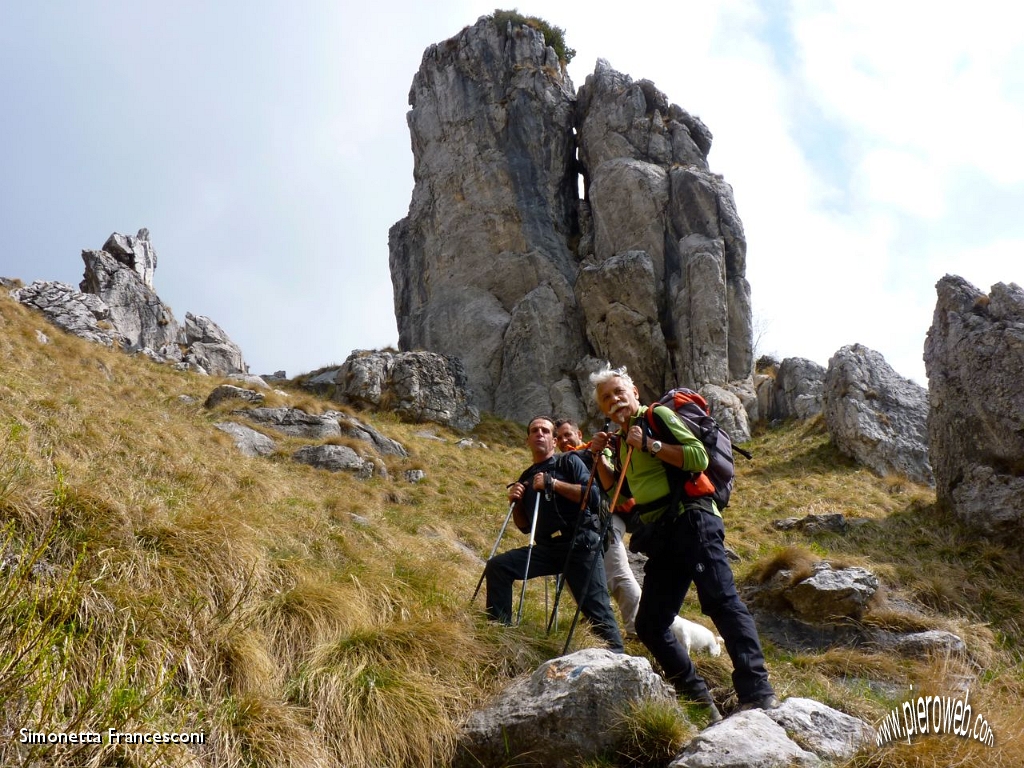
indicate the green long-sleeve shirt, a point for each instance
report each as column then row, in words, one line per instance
column 647, row 475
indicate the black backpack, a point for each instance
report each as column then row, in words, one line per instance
column 717, row 480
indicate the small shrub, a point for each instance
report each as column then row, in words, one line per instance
column 553, row 36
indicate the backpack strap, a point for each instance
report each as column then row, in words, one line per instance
column 684, row 484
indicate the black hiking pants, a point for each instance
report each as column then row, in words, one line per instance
column 548, row 559
column 692, row 551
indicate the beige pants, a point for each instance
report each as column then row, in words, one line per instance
column 622, row 584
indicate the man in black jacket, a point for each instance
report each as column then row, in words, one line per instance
column 559, row 484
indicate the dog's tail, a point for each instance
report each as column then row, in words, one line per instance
column 716, row 649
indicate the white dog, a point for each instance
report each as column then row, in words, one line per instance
column 696, row 637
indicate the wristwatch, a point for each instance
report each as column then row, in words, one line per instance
column 655, row 447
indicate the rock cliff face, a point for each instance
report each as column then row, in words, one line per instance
column 500, row 262
column 974, row 357
column 663, row 284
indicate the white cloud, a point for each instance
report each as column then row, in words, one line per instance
column 901, row 181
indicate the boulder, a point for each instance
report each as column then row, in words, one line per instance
column 798, row 390
column 921, row 644
column 830, row 734
column 353, row 427
column 418, row 386
column 210, row 348
column 247, row 440
column 292, row 421
column 749, row 739
column 336, row 458
column 563, row 714
column 228, row 392
column 974, row 357
column 832, row 594
column 729, row 412
column 298, row 423
column 827, row 595
column 876, row 416
column 250, row 380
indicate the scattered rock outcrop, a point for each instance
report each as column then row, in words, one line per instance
column 876, row 416
column 974, row 357
column 826, row 607
column 82, row 314
column 833, row 522
column 501, row 264
column 117, row 306
column 298, row 423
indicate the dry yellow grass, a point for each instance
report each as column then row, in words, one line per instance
column 157, row 580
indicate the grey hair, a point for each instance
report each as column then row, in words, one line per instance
column 607, row 373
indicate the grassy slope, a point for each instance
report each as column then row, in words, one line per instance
column 156, row 580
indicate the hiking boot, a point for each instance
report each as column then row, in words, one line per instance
column 770, row 701
column 709, row 708
column 705, row 705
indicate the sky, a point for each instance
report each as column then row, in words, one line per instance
column 872, row 148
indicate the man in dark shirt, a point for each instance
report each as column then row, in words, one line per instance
column 559, row 483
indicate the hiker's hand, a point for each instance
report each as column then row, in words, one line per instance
column 538, row 481
column 635, row 437
column 515, row 492
column 600, row 441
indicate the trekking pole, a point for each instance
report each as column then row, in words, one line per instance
column 493, row 550
column 559, row 578
column 529, row 552
column 572, row 545
column 593, row 562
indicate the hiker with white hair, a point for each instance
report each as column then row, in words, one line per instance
column 622, row 583
column 685, row 541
